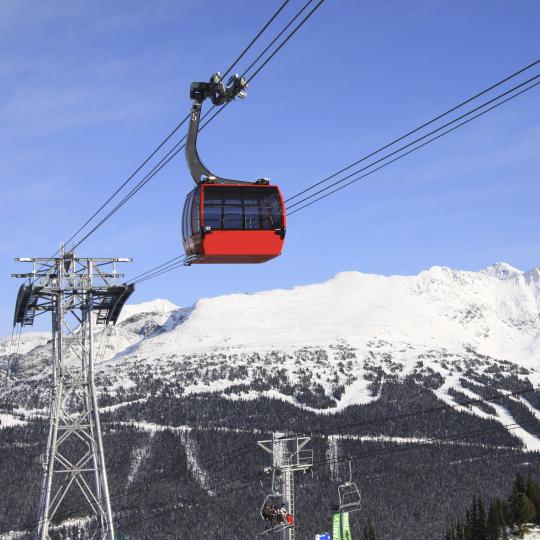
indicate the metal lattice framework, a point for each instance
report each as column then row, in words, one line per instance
column 79, row 293
column 289, row 455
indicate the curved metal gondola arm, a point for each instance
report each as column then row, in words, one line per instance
column 219, row 94
column 198, row 170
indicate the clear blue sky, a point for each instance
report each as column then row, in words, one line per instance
column 87, row 89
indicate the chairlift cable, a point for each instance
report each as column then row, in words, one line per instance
column 321, row 463
column 440, row 408
column 142, row 485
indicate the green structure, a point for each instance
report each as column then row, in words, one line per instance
column 341, row 529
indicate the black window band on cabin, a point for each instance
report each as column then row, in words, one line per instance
column 242, row 208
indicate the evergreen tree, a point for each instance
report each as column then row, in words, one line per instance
column 459, row 531
column 473, row 520
column 519, row 484
column 523, row 510
column 493, row 524
column 467, row 528
column 533, row 492
column 481, row 520
column 369, row 531
column 502, row 512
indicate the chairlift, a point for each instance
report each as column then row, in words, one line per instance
column 349, row 494
column 274, row 512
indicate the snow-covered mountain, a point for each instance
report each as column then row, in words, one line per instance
column 357, row 361
column 496, row 312
column 330, row 345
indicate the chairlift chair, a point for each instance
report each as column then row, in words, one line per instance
column 349, row 494
column 270, row 512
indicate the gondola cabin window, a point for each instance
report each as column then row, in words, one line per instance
column 242, row 208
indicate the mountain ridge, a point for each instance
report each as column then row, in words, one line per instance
column 383, row 368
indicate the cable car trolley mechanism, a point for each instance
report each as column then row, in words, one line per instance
column 225, row 220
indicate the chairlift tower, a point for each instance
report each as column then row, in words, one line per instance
column 79, row 292
column 289, row 455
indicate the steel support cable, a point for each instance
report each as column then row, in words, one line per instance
column 464, row 403
column 127, row 181
column 177, row 148
column 143, row 485
column 425, row 136
column 499, row 83
column 298, row 203
column 503, row 453
column 157, row 168
column 284, row 29
column 434, row 440
column 164, row 270
column 440, row 408
column 130, row 177
column 178, row 126
column 134, row 488
column 139, row 276
column 257, row 36
column 310, row 202
column 364, row 456
column 221, row 109
column 415, row 130
column 186, row 502
column 278, row 48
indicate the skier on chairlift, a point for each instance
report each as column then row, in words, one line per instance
column 277, row 515
column 270, row 512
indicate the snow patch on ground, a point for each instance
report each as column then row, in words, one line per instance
column 533, row 534
column 9, row 420
column 194, row 465
column 139, row 455
column 332, row 454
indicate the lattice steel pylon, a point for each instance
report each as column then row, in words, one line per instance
column 289, row 455
column 79, row 293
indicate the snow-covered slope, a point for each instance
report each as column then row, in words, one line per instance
column 331, row 345
column 533, row 534
column 496, row 312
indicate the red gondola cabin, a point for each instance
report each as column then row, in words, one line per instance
column 233, row 223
